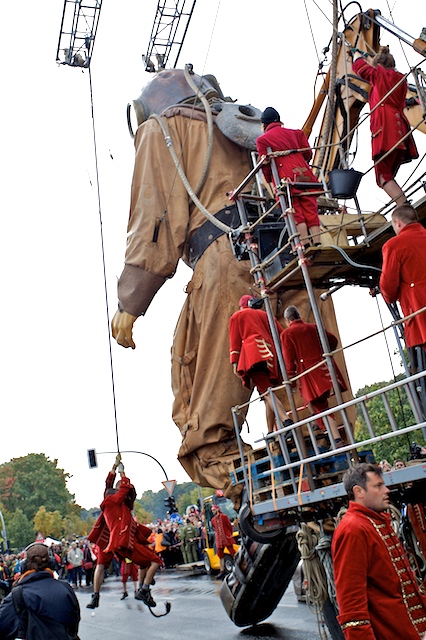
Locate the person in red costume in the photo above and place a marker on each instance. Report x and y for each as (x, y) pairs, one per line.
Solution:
(302, 350)
(253, 355)
(117, 533)
(403, 275)
(294, 167)
(376, 589)
(223, 537)
(388, 123)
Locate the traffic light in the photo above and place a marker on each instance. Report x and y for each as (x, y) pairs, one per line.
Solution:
(170, 503)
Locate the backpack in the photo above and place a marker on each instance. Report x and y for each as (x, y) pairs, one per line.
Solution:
(32, 627)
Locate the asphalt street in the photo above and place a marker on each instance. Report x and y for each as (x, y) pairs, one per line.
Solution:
(196, 611)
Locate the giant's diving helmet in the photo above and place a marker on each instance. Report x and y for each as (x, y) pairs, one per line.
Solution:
(239, 123)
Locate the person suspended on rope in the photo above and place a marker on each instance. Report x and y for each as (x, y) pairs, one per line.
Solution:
(294, 167)
(253, 356)
(117, 533)
(377, 592)
(388, 124)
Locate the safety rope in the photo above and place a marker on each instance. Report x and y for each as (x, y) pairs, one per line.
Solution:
(169, 143)
(103, 260)
(315, 576)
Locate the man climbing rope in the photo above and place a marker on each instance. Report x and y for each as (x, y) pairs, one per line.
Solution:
(116, 532)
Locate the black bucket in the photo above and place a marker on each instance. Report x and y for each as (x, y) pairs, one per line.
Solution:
(344, 183)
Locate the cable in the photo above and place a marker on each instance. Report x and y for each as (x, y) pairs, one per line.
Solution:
(103, 258)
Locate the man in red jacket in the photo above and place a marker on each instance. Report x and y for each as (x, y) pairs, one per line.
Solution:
(377, 592)
(126, 537)
(294, 167)
(223, 537)
(388, 123)
(253, 355)
(404, 272)
(302, 350)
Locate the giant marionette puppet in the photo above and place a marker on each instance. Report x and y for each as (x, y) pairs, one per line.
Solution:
(189, 133)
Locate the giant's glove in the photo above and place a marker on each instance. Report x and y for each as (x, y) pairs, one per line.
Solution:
(122, 326)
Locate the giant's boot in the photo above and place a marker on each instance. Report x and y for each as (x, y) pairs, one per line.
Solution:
(261, 574)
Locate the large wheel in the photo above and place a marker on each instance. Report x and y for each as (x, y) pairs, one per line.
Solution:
(207, 565)
(247, 526)
(229, 563)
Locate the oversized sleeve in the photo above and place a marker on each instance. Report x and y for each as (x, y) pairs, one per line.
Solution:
(289, 353)
(234, 339)
(391, 273)
(262, 145)
(158, 220)
(350, 562)
(364, 70)
(304, 144)
(125, 488)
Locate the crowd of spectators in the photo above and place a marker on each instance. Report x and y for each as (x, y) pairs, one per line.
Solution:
(177, 540)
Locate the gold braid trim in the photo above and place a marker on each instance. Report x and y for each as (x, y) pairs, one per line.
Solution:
(403, 583)
(355, 623)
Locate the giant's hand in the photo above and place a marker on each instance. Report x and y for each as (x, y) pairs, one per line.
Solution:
(122, 326)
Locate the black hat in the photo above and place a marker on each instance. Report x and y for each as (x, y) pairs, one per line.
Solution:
(270, 115)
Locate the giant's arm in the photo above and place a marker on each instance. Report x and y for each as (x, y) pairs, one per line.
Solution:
(156, 229)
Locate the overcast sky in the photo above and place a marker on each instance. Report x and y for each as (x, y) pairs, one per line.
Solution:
(56, 378)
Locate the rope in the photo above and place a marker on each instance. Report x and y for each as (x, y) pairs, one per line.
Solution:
(315, 576)
(169, 142)
(103, 260)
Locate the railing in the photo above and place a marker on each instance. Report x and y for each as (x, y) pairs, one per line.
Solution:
(283, 479)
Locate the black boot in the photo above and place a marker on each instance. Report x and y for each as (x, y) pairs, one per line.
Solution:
(124, 596)
(146, 597)
(94, 601)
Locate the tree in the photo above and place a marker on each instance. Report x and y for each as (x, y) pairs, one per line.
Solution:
(20, 530)
(34, 480)
(391, 448)
(142, 515)
(49, 523)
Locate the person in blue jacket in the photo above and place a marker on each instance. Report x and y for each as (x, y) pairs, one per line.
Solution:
(51, 603)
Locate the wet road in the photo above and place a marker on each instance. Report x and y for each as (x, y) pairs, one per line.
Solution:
(196, 612)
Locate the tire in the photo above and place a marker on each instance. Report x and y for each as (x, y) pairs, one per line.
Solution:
(229, 563)
(207, 564)
(264, 537)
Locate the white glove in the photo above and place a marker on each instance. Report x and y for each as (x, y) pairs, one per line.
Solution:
(120, 468)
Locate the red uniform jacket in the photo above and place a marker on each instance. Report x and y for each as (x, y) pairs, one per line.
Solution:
(302, 350)
(100, 533)
(404, 278)
(251, 343)
(118, 517)
(388, 122)
(295, 166)
(376, 590)
(223, 530)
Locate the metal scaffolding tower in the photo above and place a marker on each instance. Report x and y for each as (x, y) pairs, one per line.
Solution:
(78, 32)
(168, 33)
